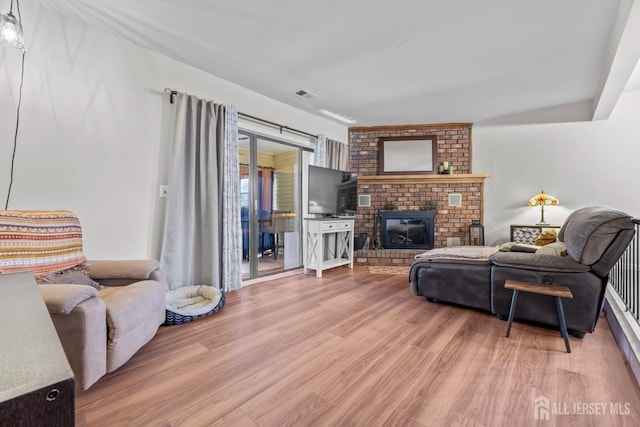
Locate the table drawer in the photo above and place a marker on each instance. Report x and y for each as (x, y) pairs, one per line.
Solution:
(331, 226)
(345, 225)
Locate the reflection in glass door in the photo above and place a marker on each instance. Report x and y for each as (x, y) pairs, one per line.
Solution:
(270, 205)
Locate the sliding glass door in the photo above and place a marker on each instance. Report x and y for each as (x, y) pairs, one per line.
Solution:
(270, 203)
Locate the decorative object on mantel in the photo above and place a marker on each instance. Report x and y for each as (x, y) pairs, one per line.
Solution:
(542, 199)
(445, 168)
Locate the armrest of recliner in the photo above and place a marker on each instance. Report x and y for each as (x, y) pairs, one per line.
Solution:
(123, 269)
(538, 262)
(122, 272)
(62, 299)
(79, 317)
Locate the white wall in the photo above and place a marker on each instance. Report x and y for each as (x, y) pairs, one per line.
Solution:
(94, 120)
(580, 163)
(93, 128)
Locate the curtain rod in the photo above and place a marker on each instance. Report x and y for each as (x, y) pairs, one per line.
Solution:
(172, 93)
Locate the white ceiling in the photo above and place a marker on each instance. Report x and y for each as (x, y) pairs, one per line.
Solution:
(383, 62)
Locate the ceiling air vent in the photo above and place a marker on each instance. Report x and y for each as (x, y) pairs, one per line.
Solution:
(303, 93)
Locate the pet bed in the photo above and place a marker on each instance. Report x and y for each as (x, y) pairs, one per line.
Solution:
(190, 302)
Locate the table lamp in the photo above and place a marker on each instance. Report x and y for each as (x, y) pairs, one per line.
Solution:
(543, 199)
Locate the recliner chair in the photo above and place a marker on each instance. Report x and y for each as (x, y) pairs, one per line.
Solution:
(595, 238)
(100, 329)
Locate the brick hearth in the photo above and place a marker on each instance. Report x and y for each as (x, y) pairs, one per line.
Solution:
(386, 257)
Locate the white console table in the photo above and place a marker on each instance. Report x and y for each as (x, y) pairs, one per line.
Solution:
(329, 243)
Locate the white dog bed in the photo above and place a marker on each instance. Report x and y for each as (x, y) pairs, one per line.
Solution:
(190, 302)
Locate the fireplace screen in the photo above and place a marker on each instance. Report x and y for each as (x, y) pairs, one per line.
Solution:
(407, 229)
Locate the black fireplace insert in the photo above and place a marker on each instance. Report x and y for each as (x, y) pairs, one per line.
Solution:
(407, 229)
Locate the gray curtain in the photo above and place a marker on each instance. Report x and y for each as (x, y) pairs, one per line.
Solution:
(230, 205)
(337, 155)
(330, 154)
(196, 246)
(320, 151)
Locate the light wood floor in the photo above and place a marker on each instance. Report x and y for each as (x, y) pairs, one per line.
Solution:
(354, 348)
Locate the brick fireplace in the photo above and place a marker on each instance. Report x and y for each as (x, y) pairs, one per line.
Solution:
(406, 192)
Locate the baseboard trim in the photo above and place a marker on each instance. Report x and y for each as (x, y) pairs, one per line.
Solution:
(625, 330)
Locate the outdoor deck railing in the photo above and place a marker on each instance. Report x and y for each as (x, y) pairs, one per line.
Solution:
(625, 276)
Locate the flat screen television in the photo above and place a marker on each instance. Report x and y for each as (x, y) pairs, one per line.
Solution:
(332, 192)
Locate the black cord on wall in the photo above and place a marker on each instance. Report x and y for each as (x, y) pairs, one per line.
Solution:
(15, 136)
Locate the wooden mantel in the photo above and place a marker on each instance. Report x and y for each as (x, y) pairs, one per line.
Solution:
(476, 178)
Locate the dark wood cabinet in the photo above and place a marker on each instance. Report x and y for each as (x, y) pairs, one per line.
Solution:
(37, 386)
(51, 406)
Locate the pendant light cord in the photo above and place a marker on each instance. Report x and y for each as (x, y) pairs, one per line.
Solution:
(15, 136)
(17, 8)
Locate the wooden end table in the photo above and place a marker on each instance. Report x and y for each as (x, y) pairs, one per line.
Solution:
(556, 291)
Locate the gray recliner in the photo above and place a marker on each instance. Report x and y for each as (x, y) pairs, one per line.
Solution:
(595, 238)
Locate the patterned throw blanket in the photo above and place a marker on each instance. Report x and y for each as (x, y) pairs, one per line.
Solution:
(45, 242)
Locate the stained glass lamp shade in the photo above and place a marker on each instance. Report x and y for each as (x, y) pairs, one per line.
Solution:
(543, 199)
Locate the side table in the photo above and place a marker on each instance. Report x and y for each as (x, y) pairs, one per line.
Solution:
(329, 243)
(528, 233)
(556, 291)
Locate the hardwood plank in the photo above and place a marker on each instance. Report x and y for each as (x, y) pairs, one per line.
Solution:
(353, 348)
(301, 409)
(235, 418)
